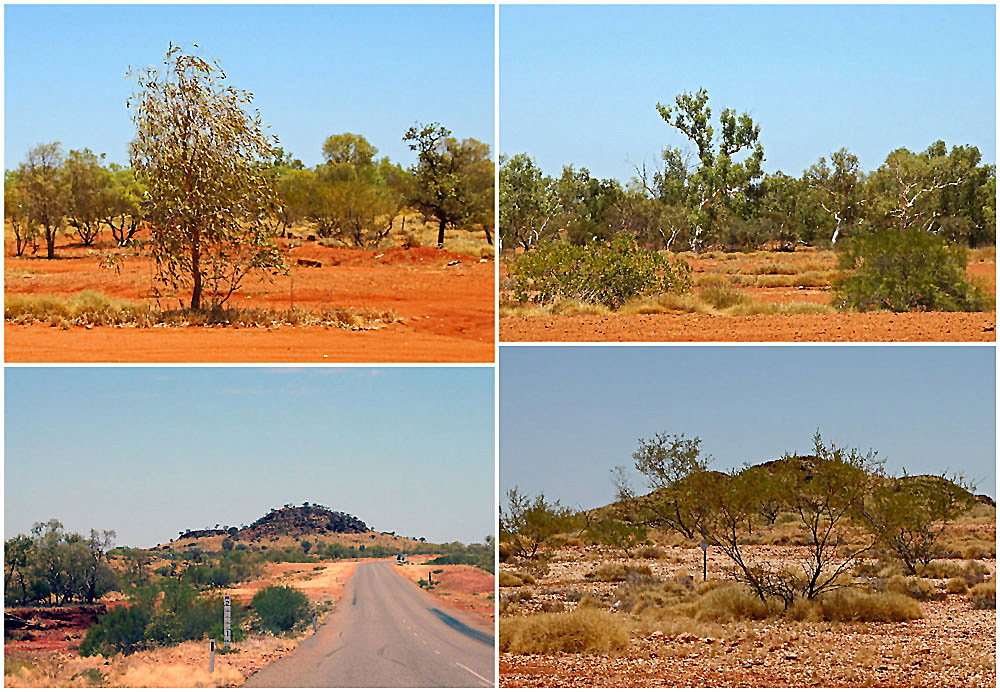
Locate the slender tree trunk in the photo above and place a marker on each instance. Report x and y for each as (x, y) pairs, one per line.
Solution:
(196, 271)
(50, 244)
(489, 238)
(441, 225)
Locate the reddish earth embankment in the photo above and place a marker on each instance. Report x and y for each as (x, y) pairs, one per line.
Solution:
(461, 586)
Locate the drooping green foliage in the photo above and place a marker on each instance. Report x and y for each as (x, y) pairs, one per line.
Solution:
(527, 523)
(204, 158)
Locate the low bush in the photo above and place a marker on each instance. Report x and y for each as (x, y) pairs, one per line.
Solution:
(984, 596)
(120, 630)
(906, 270)
(607, 274)
(280, 608)
(618, 571)
(584, 630)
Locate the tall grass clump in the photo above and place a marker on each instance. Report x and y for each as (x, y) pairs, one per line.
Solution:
(600, 273)
(584, 630)
(984, 596)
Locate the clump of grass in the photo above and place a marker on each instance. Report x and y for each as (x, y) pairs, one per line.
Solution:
(665, 304)
(971, 571)
(914, 587)
(515, 578)
(584, 630)
(969, 548)
(854, 605)
(618, 571)
(984, 596)
(806, 279)
(93, 309)
(639, 596)
(956, 585)
(729, 603)
(650, 552)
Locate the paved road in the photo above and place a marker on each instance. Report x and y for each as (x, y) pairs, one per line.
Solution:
(386, 632)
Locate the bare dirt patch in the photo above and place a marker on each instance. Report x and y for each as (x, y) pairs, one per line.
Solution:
(463, 587)
(444, 300)
(744, 271)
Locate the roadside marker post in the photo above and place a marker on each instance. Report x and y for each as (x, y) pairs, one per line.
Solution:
(314, 622)
(211, 655)
(226, 621)
(704, 560)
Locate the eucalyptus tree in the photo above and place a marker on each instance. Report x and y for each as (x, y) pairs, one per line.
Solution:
(729, 162)
(529, 205)
(45, 192)
(839, 188)
(90, 193)
(446, 184)
(205, 157)
(16, 212)
(124, 212)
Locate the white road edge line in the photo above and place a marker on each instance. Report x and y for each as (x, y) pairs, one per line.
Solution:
(474, 673)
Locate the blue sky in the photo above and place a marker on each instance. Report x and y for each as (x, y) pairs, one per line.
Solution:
(149, 452)
(568, 415)
(314, 70)
(580, 84)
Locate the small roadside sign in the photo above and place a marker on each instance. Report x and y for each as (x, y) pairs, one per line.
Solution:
(226, 620)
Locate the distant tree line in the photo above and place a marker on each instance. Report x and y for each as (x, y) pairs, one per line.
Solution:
(718, 196)
(50, 566)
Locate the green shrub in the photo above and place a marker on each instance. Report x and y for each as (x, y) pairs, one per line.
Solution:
(280, 608)
(121, 630)
(603, 273)
(584, 630)
(906, 270)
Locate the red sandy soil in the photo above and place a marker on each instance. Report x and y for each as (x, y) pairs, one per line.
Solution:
(447, 311)
(56, 628)
(915, 326)
(461, 586)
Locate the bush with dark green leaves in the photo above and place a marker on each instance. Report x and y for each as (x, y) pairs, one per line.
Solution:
(902, 271)
(280, 608)
(604, 273)
(119, 630)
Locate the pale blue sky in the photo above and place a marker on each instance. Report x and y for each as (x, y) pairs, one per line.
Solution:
(314, 70)
(579, 84)
(149, 452)
(568, 415)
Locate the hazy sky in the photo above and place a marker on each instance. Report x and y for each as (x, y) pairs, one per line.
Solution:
(149, 452)
(568, 415)
(580, 84)
(314, 70)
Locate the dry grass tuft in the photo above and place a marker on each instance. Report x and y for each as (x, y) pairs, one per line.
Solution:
(515, 578)
(956, 585)
(93, 309)
(619, 571)
(914, 587)
(853, 605)
(984, 596)
(584, 630)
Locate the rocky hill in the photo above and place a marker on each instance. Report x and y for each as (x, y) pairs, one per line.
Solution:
(294, 524)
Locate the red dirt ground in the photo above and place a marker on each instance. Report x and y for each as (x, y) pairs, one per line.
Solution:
(447, 311)
(915, 326)
(460, 586)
